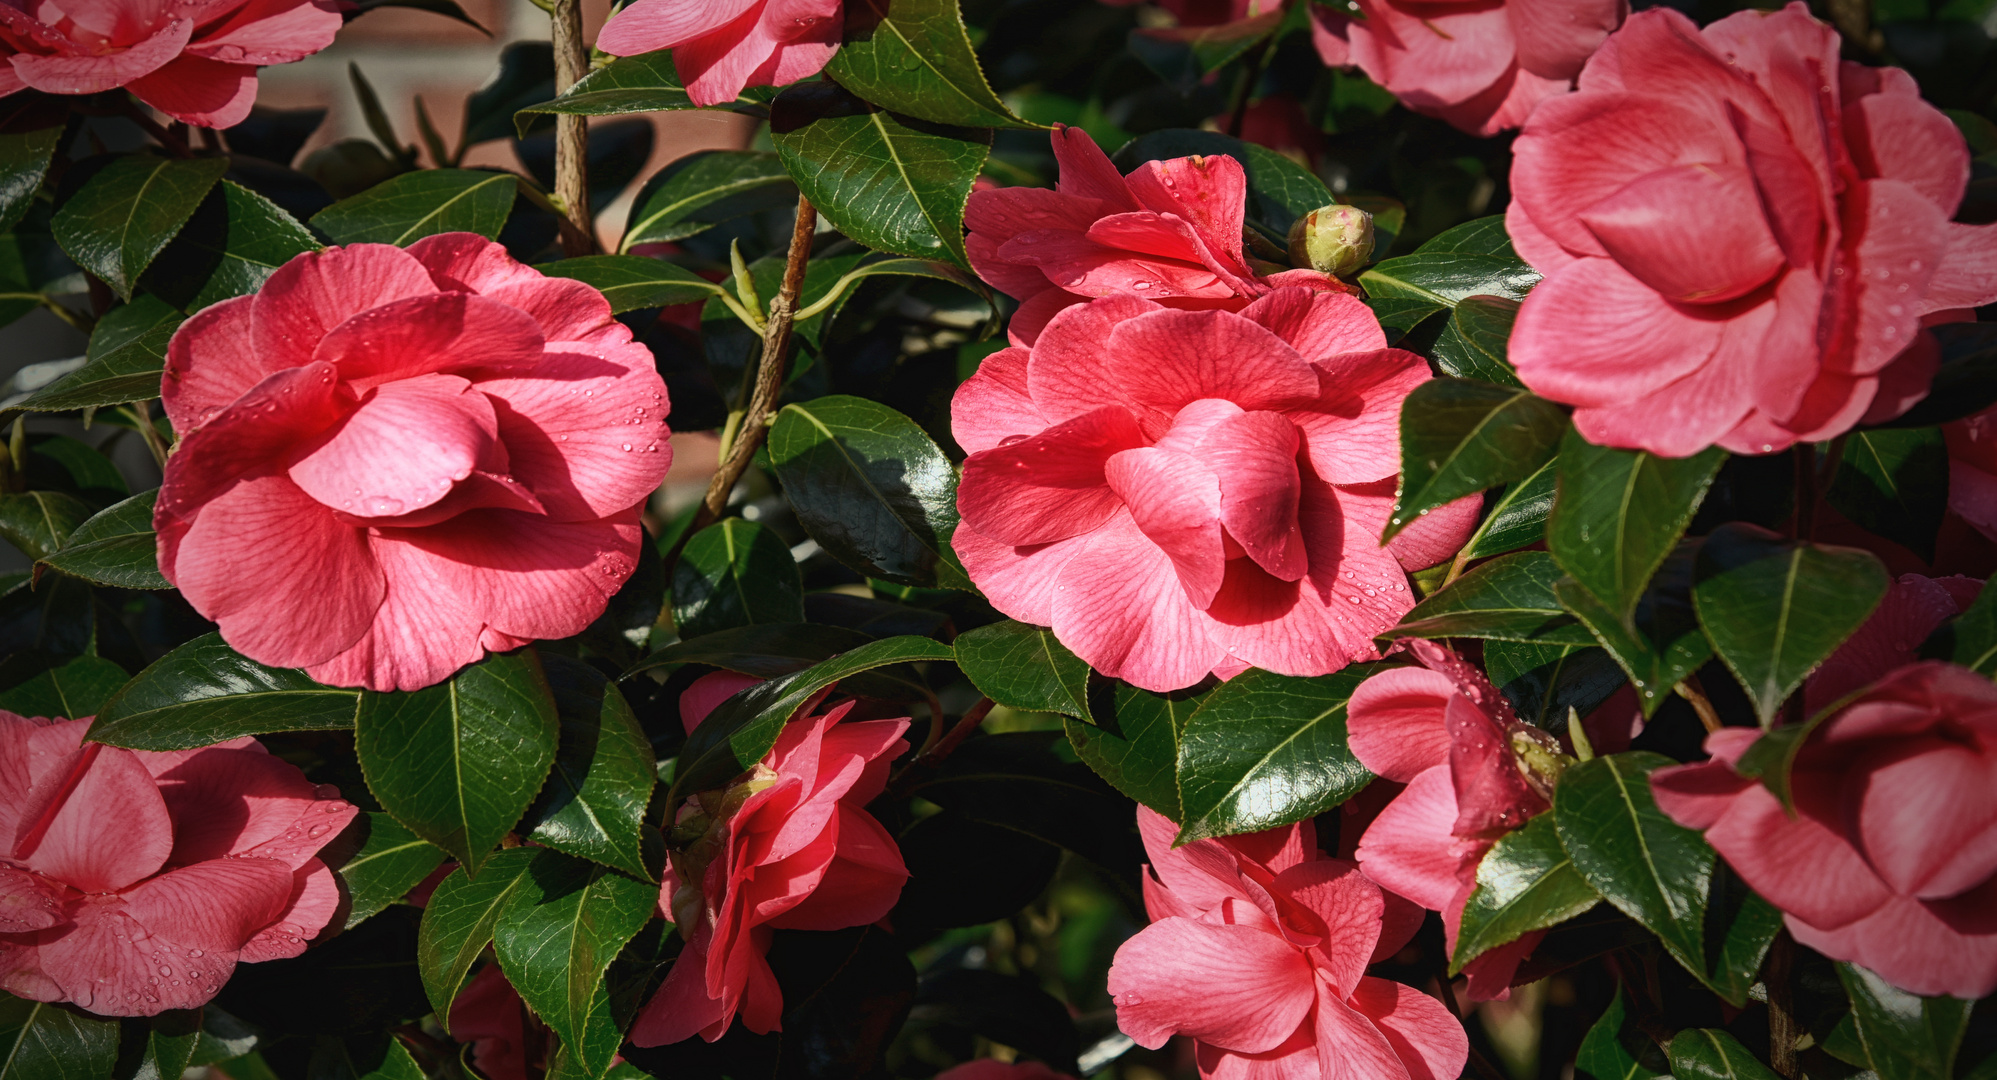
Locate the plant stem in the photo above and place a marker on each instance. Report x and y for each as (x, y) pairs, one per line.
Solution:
(172, 143)
(1692, 691)
(770, 373)
(571, 132)
(1782, 1033)
(143, 412)
(933, 753)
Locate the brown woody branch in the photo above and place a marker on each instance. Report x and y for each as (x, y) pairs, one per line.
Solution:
(572, 133)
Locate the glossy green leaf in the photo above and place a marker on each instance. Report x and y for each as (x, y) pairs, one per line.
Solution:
(459, 920)
(158, 1047)
(1508, 599)
(763, 651)
(1526, 882)
(893, 183)
(1024, 667)
(1472, 259)
(1969, 639)
(1894, 483)
(1906, 1037)
(593, 806)
(127, 212)
(1544, 681)
(742, 729)
(1662, 643)
(1474, 344)
(1713, 1054)
(223, 1037)
(205, 692)
(41, 1041)
(1620, 512)
(116, 546)
(735, 573)
(915, 57)
(1518, 518)
(1265, 750)
(1018, 782)
(1774, 609)
(1651, 868)
(631, 282)
(702, 190)
(871, 487)
(1459, 437)
(414, 205)
(76, 689)
(1614, 1049)
(234, 242)
(24, 160)
(631, 84)
(556, 937)
(127, 353)
(1740, 926)
(1136, 748)
(82, 463)
(457, 763)
(39, 522)
(390, 862)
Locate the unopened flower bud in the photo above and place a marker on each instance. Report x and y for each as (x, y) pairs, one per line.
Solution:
(1335, 239)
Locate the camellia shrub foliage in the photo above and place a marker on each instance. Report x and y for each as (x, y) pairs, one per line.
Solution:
(1250, 539)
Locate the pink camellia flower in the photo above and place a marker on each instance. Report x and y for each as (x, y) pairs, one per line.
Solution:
(133, 882)
(1257, 950)
(195, 60)
(489, 1014)
(1740, 236)
(1184, 492)
(391, 461)
(1972, 470)
(1891, 636)
(1452, 738)
(788, 847)
(721, 46)
(1482, 65)
(1170, 232)
(1890, 859)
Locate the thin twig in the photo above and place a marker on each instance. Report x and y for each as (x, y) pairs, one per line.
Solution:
(1782, 1033)
(572, 133)
(932, 755)
(1239, 114)
(173, 144)
(144, 414)
(1691, 690)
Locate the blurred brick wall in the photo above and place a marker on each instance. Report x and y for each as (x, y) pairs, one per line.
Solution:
(404, 53)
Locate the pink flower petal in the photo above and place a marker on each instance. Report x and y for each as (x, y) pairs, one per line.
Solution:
(1427, 1039)
(1594, 335)
(1926, 810)
(1967, 276)
(1088, 266)
(565, 310)
(1911, 948)
(403, 448)
(1019, 581)
(586, 429)
(317, 291)
(651, 25)
(1119, 605)
(28, 902)
(993, 405)
(1411, 847)
(1643, 228)
(1166, 359)
(1352, 431)
(1175, 500)
(862, 883)
(681, 1007)
(92, 72)
(1209, 192)
(1050, 486)
(1350, 1046)
(422, 335)
(315, 899)
(708, 692)
(1319, 325)
(1434, 538)
(1233, 986)
(1349, 907)
(1394, 722)
(1897, 136)
(1897, 237)
(98, 824)
(1433, 59)
(1799, 864)
(226, 802)
(253, 436)
(1068, 374)
(210, 362)
(270, 32)
(1555, 37)
(1086, 172)
(1254, 455)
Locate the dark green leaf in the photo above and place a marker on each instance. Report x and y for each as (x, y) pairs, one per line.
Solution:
(1774, 609)
(1472, 259)
(1473, 345)
(1024, 667)
(115, 547)
(236, 240)
(1011, 1010)
(24, 160)
(1966, 383)
(1525, 882)
(1016, 781)
(631, 282)
(1620, 512)
(594, 804)
(1279, 190)
(1740, 926)
(892, 183)
(390, 862)
(735, 573)
(1970, 639)
(459, 920)
(558, 933)
(631, 84)
(1137, 748)
(51, 1042)
(1653, 869)
(39, 522)
(127, 353)
(1544, 681)
(1509, 599)
(1518, 518)
(82, 464)
(1663, 643)
(742, 729)
(1906, 1037)
(419, 204)
(871, 487)
(457, 763)
(1614, 1049)
(1459, 437)
(223, 1038)
(963, 872)
(128, 211)
(702, 190)
(205, 692)
(1712, 1054)
(526, 77)
(1895, 483)
(1265, 750)
(72, 691)
(915, 57)
(762, 651)
(158, 1047)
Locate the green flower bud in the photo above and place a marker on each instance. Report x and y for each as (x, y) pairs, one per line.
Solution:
(1335, 239)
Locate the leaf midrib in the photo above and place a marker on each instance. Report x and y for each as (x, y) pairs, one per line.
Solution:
(868, 481)
(1468, 437)
(696, 201)
(894, 156)
(1307, 725)
(410, 232)
(1642, 842)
